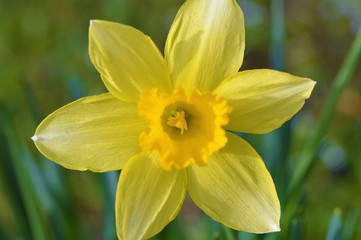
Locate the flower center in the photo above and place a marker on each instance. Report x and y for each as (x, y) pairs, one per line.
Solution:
(178, 120)
(184, 129)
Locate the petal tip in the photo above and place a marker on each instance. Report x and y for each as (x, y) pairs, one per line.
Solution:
(276, 228)
(34, 138)
(93, 22)
(312, 82)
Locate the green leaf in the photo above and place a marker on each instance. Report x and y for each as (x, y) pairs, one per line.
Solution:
(351, 223)
(344, 76)
(335, 226)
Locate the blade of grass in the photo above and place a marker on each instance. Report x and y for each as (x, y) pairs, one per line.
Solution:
(296, 232)
(351, 224)
(32, 207)
(277, 143)
(12, 188)
(277, 35)
(335, 227)
(344, 76)
(109, 186)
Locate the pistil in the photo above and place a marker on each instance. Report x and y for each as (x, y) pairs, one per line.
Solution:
(178, 120)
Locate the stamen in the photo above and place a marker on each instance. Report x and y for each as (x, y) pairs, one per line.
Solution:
(178, 121)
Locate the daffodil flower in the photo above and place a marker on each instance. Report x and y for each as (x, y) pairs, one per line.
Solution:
(167, 122)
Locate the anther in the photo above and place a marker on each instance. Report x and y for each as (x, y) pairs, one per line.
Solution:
(178, 120)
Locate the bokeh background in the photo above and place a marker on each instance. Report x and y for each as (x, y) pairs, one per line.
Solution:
(315, 159)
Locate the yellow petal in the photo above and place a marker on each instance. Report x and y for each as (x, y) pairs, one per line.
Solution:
(205, 43)
(148, 197)
(236, 189)
(127, 60)
(99, 133)
(263, 99)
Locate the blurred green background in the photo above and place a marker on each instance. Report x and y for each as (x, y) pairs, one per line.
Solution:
(315, 159)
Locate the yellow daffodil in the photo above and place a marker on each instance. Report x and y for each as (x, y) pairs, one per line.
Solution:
(165, 121)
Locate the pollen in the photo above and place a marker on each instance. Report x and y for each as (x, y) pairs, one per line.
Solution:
(178, 120)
